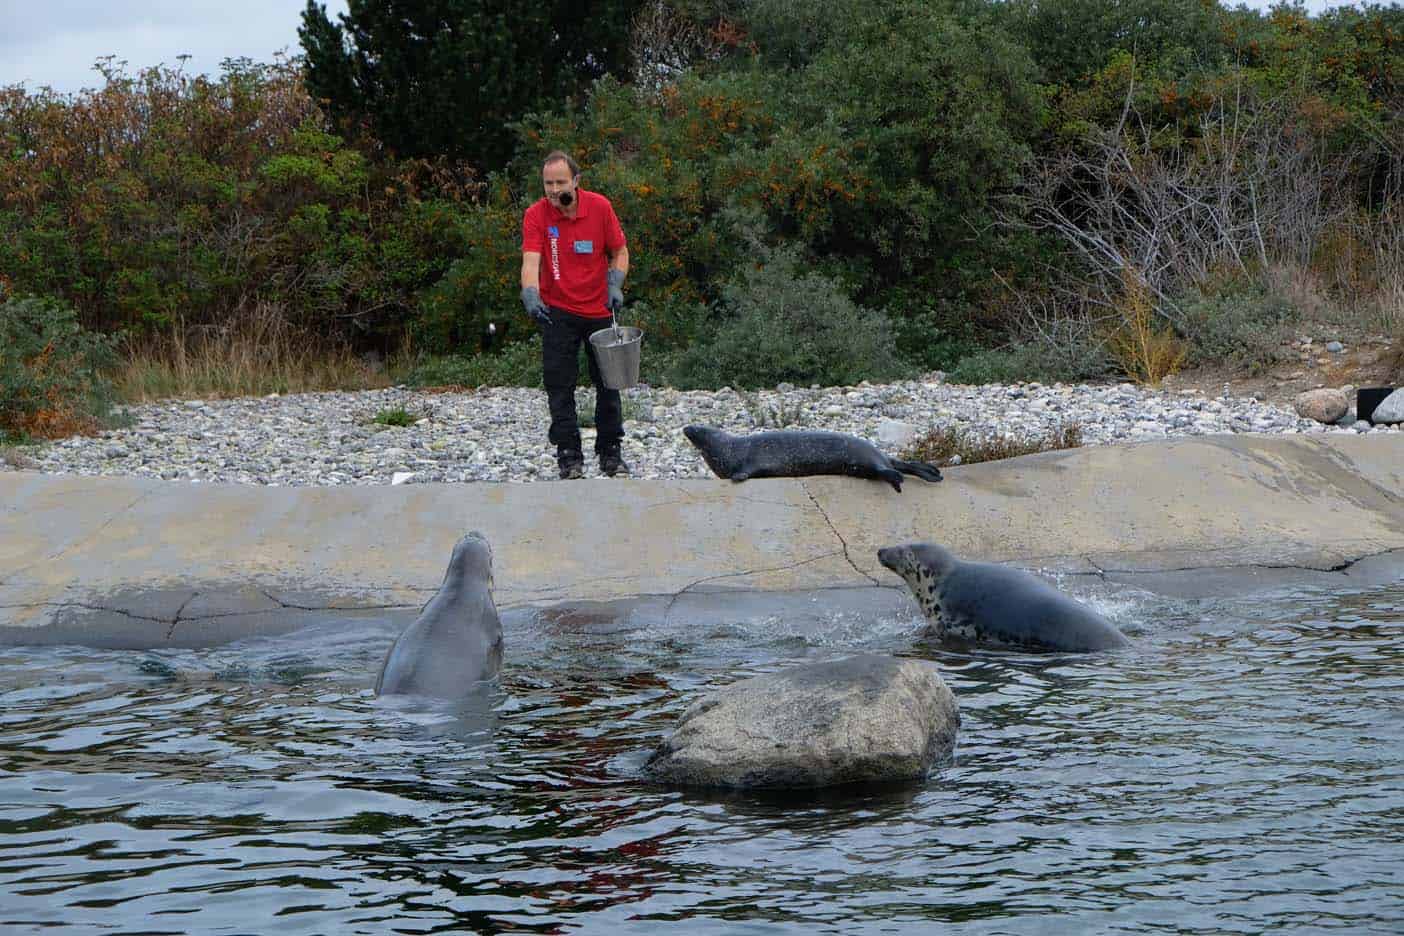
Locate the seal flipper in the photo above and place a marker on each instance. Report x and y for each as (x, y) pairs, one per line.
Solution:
(893, 478)
(923, 470)
(740, 475)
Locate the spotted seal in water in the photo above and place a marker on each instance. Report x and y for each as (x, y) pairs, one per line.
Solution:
(796, 454)
(989, 603)
(456, 641)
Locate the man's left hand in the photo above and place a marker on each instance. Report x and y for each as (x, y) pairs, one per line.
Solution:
(615, 302)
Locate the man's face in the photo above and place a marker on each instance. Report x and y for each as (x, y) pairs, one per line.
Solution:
(556, 177)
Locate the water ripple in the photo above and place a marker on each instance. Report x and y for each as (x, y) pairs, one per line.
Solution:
(1238, 770)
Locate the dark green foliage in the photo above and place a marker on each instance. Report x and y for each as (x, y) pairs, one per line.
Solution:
(480, 286)
(779, 324)
(1242, 322)
(519, 365)
(879, 150)
(1072, 39)
(53, 378)
(932, 114)
(1028, 363)
(447, 77)
(929, 340)
(896, 145)
(397, 416)
(162, 200)
(789, 35)
(667, 167)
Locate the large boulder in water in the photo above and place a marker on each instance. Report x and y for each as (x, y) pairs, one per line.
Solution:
(865, 719)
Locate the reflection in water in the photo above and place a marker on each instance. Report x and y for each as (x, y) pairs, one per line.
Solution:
(1237, 770)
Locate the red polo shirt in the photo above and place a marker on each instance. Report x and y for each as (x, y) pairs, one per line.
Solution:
(574, 261)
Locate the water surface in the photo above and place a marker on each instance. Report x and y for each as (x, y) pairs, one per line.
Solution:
(1239, 770)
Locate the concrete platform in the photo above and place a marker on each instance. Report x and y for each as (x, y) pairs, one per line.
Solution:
(133, 562)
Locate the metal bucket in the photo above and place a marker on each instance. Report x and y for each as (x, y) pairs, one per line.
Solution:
(617, 354)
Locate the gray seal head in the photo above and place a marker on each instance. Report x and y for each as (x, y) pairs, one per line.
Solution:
(986, 602)
(456, 642)
(924, 567)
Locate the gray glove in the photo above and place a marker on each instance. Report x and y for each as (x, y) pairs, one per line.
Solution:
(616, 291)
(531, 301)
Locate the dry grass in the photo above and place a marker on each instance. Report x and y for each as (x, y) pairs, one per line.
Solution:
(1360, 261)
(1355, 285)
(1147, 350)
(951, 446)
(258, 356)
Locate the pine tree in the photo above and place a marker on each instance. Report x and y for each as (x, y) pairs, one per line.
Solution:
(446, 77)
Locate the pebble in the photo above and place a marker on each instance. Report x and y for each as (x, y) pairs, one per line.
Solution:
(499, 434)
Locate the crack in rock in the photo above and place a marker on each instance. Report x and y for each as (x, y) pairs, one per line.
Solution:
(61, 605)
(1342, 566)
(286, 605)
(176, 620)
(105, 524)
(823, 513)
(726, 575)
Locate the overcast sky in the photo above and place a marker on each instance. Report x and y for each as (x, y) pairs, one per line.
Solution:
(55, 42)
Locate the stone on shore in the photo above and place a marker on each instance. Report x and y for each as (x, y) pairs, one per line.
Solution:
(498, 434)
(1391, 409)
(894, 435)
(1325, 405)
(865, 719)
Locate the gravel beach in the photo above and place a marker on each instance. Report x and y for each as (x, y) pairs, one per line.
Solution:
(499, 434)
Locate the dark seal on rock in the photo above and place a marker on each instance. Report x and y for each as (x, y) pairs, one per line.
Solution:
(987, 603)
(456, 642)
(797, 454)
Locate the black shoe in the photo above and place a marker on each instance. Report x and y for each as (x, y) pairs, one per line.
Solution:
(571, 462)
(612, 464)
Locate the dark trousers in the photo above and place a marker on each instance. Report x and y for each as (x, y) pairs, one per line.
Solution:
(560, 366)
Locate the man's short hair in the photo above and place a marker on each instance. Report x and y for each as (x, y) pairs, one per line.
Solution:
(560, 156)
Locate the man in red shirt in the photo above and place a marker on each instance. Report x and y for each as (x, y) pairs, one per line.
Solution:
(570, 296)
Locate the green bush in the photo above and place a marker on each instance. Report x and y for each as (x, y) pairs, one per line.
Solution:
(53, 379)
(1243, 323)
(777, 325)
(165, 201)
(1024, 363)
(482, 285)
(518, 365)
(929, 341)
(396, 416)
